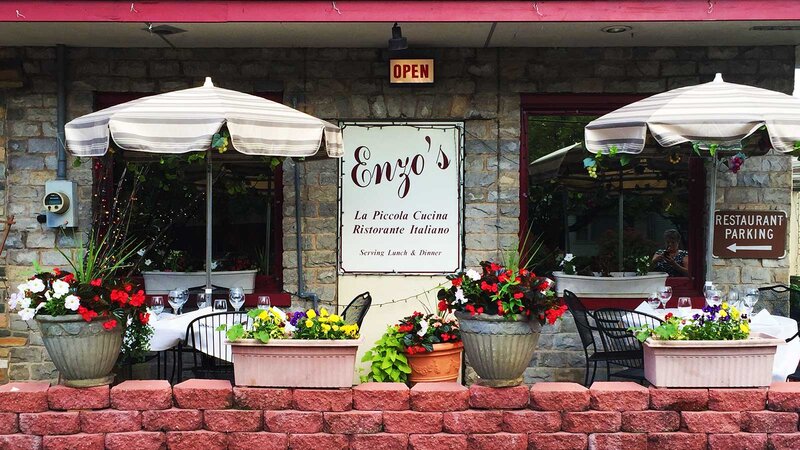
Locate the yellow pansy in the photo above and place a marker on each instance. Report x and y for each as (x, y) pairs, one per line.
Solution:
(309, 323)
(263, 315)
(311, 314)
(335, 327)
(323, 312)
(724, 305)
(723, 314)
(326, 327)
(744, 327)
(735, 314)
(335, 318)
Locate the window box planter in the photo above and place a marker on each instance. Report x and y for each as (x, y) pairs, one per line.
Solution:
(617, 286)
(717, 364)
(297, 363)
(160, 283)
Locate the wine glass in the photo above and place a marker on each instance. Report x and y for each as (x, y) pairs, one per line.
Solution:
(664, 294)
(714, 297)
(220, 305)
(684, 306)
(750, 300)
(653, 300)
(236, 296)
(176, 301)
(733, 298)
(157, 305)
(264, 302)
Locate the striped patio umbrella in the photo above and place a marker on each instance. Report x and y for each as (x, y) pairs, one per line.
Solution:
(186, 121)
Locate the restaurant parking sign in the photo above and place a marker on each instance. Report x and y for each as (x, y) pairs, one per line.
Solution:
(750, 234)
(401, 204)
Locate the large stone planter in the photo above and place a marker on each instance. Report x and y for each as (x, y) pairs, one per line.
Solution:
(83, 352)
(620, 285)
(717, 364)
(160, 283)
(442, 364)
(294, 362)
(497, 348)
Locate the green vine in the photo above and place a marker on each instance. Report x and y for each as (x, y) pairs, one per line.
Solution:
(387, 359)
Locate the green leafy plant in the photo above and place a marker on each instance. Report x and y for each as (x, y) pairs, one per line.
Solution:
(642, 265)
(267, 324)
(387, 359)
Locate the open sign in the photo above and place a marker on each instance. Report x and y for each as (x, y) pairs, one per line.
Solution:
(410, 71)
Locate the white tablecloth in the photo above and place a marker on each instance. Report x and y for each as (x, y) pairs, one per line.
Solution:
(169, 330)
(787, 355)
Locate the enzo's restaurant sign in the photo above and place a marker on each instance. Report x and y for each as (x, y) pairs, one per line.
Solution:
(750, 234)
(401, 198)
(410, 71)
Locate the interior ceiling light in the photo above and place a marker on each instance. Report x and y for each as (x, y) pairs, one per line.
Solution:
(397, 42)
(614, 29)
(775, 28)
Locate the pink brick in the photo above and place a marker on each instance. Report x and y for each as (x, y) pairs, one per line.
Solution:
(293, 421)
(769, 422)
(196, 440)
(262, 398)
(498, 441)
(474, 421)
(142, 395)
(783, 396)
(591, 422)
(49, 423)
(557, 441)
(74, 442)
(63, 397)
(531, 421)
(8, 423)
(682, 441)
(616, 441)
(20, 442)
(412, 422)
(137, 440)
(323, 399)
(319, 441)
(650, 421)
(439, 441)
(353, 422)
(737, 441)
(260, 441)
(439, 397)
(711, 421)
(483, 397)
(228, 420)
(679, 399)
(172, 419)
(382, 441)
(777, 441)
(203, 394)
(24, 397)
(737, 399)
(618, 396)
(381, 396)
(110, 421)
(558, 396)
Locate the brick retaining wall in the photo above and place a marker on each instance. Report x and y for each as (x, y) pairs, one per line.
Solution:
(210, 414)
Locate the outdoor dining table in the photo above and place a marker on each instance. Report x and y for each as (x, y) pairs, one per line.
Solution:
(170, 330)
(787, 355)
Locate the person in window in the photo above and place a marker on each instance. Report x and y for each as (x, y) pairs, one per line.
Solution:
(671, 259)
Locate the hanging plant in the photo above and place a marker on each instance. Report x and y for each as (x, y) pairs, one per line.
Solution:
(735, 162)
(221, 140)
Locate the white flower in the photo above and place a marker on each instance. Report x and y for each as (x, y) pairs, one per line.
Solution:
(147, 262)
(140, 252)
(72, 302)
(460, 296)
(473, 274)
(423, 328)
(289, 328)
(214, 265)
(25, 302)
(27, 314)
(47, 296)
(40, 306)
(60, 288)
(35, 285)
(22, 288)
(14, 299)
(569, 257)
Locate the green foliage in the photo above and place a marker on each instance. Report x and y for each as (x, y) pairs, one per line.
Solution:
(387, 359)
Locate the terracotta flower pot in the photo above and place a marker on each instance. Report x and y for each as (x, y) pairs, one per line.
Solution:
(83, 352)
(442, 364)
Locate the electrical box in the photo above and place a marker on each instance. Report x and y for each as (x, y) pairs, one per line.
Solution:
(61, 203)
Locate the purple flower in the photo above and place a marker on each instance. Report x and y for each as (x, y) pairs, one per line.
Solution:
(296, 316)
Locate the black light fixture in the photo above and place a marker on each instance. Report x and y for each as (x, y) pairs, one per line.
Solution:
(615, 29)
(397, 42)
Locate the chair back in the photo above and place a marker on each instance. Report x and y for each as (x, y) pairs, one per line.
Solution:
(357, 309)
(581, 316)
(613, 325)
(202, 334)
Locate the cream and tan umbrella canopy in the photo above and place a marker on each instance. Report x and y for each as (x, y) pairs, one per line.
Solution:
(186, 121)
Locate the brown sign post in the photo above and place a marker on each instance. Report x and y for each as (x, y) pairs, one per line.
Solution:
(750, 234)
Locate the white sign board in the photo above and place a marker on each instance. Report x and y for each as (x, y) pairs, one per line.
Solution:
(400, 209)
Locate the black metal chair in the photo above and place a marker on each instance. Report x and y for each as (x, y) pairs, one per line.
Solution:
(781, 289)
(614, 325)
(207, 346)
(595, 353)
(357, 309)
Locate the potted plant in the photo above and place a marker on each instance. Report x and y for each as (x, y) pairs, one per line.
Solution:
(305, 349)
(712, 349)
(163, 273)
(500, 311)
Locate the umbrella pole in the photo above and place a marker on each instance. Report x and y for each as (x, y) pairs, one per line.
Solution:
(209, 202)
(712, 203)
(620, 218)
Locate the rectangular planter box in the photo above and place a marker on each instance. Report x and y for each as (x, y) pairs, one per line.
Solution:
(294, 363)
(742, 363)
(610, 287)
(160, 283)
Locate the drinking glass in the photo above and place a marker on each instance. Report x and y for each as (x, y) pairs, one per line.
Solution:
(176, 301)
(653, 300)
(750, 300)
(733, 298)
(236, 296)
(714, 297)
(664, 294)
(220, 305)
(684, 306)
(157, 305)
(263, 302)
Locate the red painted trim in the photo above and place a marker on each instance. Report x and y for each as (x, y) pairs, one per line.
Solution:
(624, 11)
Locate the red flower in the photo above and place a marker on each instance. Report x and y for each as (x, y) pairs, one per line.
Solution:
(488, 287)
(69, 278)
(144, 318)
(503, 277)
(523, 272)
(457, 281)
(668, 316)
(479, 310)
(109, 324)
(128, 288)
(494, 267)
(518, 295)
(97, 282)
(87, 314)
(137, 299)
(56, 271)
(470, 309)
(445, 337)
(442, 305)
(554, 314)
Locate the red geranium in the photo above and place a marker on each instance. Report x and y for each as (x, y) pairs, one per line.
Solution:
(456, 281)
(97, 282)
(87, 314)
(144, 318)
(110, 324)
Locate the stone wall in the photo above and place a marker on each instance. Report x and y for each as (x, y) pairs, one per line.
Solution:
(479, 86)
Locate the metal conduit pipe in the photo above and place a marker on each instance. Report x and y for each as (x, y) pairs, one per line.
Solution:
(301, 284)
(61, 110)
